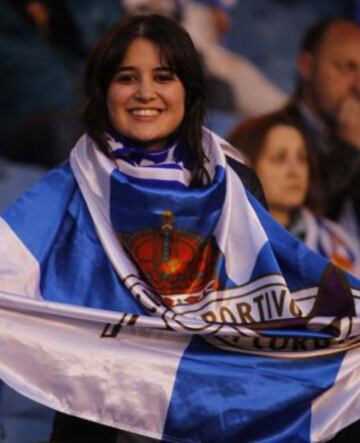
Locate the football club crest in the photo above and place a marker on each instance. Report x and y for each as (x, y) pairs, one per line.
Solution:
(173, 260)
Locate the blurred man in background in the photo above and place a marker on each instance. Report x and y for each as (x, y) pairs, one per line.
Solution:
(327, 101)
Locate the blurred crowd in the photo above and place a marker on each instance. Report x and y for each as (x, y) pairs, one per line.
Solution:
(45, 42)
(305, 147)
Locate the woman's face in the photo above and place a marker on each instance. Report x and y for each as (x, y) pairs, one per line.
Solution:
(283, 168)
(145, 99)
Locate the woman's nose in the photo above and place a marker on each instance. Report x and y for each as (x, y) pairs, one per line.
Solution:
(145, 90)
(294, 167)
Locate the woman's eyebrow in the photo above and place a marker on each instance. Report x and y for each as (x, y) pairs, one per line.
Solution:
(133, 68)
(163, 68)
(126, 68)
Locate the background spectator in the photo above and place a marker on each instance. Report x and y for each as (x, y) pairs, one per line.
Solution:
(281, 155)
(327, 102)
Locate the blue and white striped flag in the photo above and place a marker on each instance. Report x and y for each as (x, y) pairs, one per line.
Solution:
(184, 314)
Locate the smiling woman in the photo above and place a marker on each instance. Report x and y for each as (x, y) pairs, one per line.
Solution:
(145, 82)
(143, 117)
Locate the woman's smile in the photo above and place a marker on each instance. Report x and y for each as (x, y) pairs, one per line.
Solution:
(145, 114)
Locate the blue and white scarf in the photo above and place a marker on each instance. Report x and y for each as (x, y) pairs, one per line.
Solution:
(185, 314)
(329, 239)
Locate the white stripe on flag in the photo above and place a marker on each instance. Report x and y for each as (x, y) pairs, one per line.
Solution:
(125, 382)
(19, 270)
(338, 407)
(246, 233)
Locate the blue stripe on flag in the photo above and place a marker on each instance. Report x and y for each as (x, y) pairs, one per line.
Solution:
(85, 279)
(227, 397)
(156, 200)
(54, 191)
(174, 166)
(265, 263)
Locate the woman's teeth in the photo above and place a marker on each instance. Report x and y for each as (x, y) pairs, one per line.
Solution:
(145, 112)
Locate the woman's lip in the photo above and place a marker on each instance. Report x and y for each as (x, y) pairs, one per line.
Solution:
(294, 187)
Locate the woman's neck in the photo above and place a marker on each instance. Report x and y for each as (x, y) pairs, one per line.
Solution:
(281, 215)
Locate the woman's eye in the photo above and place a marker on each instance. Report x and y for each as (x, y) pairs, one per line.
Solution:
(164, 77)
(125, 78)
(277, 158)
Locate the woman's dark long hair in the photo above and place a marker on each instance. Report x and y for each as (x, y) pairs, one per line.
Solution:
(249, 137)
(177, 49)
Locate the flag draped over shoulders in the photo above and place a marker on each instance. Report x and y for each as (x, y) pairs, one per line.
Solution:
(185, 314)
